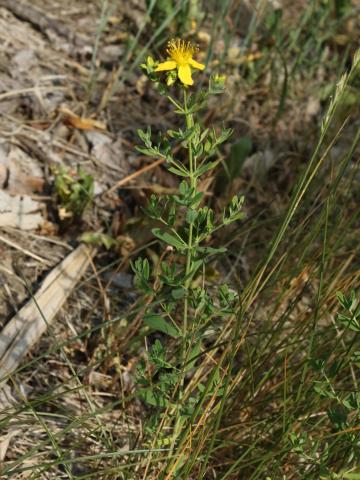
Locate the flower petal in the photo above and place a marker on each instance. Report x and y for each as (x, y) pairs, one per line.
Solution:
(196, 64)
(169, 65)
(184, 73)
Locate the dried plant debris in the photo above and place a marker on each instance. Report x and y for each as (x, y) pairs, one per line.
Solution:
(81, 123)
(20, 173)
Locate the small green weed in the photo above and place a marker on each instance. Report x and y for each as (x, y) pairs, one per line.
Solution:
(74, 192)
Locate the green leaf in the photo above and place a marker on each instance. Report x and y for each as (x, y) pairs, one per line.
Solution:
(145, 136)
(191, 216)
(146, 151)
(205, 168)
(178, 172)
(178, 293)
(150, 398)
(195, 265)
(169, 239)
(239, 152)
(232, 167)
(98, 238)
(177, 165)
(225, 134)
(342, 299)
(196, 199)
(158, 323)
(193, 356)
(184, 188)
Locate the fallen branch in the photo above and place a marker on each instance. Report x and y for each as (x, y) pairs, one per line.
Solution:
(26, 327)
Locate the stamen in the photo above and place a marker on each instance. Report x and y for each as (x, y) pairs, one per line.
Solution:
(177, 47)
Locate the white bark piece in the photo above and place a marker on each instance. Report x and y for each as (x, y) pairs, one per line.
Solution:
(26, 327)
(19, 211)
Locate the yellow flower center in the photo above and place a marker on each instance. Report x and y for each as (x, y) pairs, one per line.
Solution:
(181, 51)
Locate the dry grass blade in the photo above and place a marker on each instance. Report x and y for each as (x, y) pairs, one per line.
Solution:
(24, 250)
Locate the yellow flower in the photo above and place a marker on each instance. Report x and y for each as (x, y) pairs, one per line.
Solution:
(181, 53)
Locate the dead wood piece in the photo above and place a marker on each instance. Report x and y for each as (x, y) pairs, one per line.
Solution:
(26, 327)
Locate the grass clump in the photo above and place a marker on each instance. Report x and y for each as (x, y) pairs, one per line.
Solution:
(224, 370)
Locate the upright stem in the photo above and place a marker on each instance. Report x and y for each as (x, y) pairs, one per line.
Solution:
(189, 124)
(189, 256)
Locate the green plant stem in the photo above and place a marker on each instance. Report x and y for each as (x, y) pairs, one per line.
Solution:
(189, 255)
(175, 103)
(189, 124)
